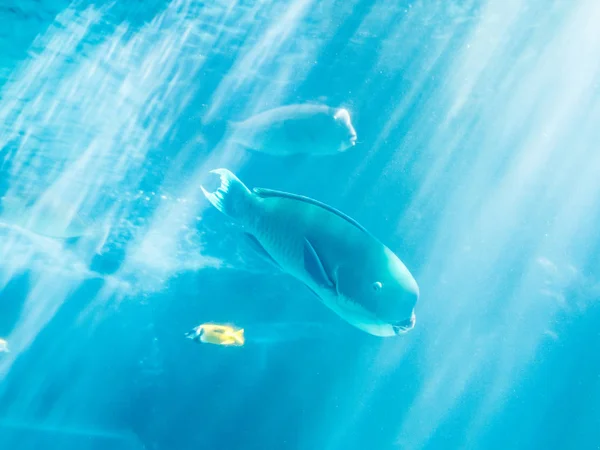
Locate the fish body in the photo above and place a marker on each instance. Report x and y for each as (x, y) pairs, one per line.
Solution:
(346, 267)
(296, 129)
(50, 218)
(4, 346)
(210, 333)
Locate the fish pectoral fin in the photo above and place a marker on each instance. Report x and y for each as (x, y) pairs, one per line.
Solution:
(314, 266)
(314, 292)
(257, 246)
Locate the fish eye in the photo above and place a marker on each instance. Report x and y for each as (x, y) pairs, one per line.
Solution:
(377, 286)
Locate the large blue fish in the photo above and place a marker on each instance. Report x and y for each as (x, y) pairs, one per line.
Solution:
(353, 274)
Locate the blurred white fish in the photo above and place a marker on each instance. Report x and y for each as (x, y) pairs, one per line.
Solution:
(567, 285)
(50, 218)
(34, 431)
(4, 346)
(296, 129)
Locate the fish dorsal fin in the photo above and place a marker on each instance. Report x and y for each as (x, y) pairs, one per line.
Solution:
(266, 193)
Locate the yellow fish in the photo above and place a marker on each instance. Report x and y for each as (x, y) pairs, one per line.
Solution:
(211, 333)
(4, 346)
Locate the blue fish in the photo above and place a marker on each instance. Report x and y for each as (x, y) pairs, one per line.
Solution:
(344, 265)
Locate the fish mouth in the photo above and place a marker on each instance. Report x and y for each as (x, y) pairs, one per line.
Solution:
(404, 326)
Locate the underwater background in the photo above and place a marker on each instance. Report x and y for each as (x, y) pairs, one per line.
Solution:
(477, 163)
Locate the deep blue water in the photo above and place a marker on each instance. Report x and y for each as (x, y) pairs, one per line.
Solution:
(477, 164)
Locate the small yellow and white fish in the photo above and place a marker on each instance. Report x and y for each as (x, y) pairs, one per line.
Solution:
(4, 346)
(212, 333)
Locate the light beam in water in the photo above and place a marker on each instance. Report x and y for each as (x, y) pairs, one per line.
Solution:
(524, 102)
(84, 119)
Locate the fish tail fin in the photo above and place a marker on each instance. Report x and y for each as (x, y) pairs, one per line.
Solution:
(190, 334)
(232, 197)
(214, 131)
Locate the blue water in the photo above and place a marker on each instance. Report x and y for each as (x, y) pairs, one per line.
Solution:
(477, 164)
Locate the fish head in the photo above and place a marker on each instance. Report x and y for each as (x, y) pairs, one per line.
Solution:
(383, 289)
(344, 131)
